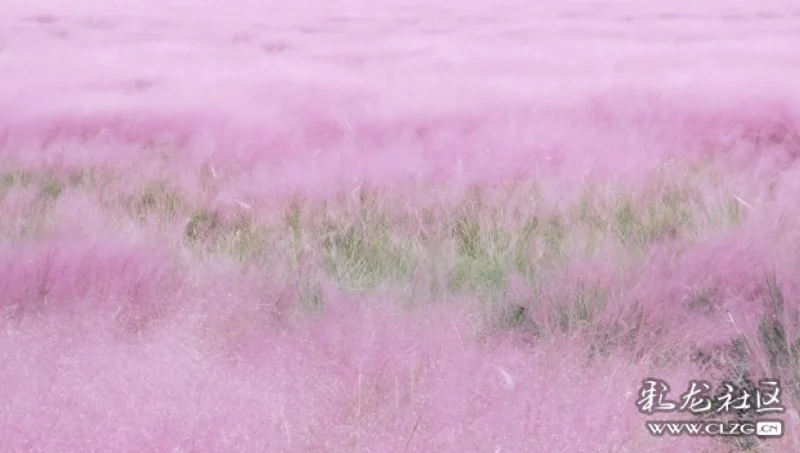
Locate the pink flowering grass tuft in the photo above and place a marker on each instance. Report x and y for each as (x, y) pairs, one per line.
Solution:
(393, 226)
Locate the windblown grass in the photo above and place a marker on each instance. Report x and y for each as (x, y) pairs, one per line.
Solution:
(391, 227)
(610, 269)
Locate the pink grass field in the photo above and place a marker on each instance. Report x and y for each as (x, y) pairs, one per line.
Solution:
(269, 226)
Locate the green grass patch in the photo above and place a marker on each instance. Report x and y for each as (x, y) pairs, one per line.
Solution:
(157, 199)
(243, 237)
(365, 254)
(51, 187)
(579, 308)
(202, 226)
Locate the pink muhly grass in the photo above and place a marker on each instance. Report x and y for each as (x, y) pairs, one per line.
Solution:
(390, 227)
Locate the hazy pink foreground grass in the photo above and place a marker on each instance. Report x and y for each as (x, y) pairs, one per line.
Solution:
(386, 226)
